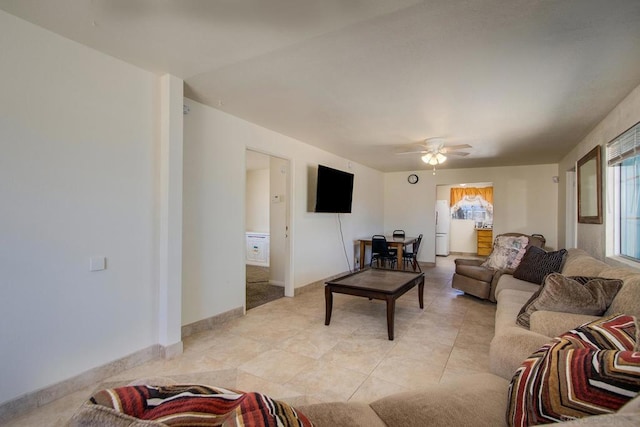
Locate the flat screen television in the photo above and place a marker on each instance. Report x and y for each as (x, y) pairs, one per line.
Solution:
(334, 190)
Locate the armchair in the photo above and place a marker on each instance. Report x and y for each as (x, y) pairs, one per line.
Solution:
(473, 278)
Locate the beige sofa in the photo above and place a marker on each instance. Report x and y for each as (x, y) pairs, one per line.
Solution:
(480, 399)
(511, 343)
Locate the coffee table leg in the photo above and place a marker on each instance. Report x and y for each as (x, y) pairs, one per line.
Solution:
(328, 299)
(391, 310)
(421, 292)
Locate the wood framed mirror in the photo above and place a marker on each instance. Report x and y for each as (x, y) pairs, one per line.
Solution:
(590, 187)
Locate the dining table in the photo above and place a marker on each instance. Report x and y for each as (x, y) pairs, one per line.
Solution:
(395, 242)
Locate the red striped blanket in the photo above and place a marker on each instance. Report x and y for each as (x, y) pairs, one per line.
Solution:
(199, 405)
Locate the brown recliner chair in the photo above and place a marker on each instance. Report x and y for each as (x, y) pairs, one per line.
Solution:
(474, 279)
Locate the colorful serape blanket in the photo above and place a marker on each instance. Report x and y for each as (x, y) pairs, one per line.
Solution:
(199, 405)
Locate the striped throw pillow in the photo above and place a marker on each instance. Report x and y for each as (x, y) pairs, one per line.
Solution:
(591, 370)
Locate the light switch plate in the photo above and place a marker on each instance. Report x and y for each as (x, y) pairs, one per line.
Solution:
(97, 263)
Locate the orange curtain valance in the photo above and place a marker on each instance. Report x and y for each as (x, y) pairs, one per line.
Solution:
(458, 194)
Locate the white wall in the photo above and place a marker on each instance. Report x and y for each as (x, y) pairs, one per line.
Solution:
(463, 236)
(592, 237)
(214, 180)
(525, 200)
(279, 172)
(77, 135)
(257, 201)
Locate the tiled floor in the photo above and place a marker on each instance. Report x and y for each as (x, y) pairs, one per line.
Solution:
(284, 349)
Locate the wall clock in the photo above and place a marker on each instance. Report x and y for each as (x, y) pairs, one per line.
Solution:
(413, 178)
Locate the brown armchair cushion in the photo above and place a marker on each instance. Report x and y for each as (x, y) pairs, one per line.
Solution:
(476, 272)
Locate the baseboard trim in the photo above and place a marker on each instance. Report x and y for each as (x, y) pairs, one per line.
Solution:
(317, 284)
(35, 399)
(276, 283)
(210, 322)
(173, 350)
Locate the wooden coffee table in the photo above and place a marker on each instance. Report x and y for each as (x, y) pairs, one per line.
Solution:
(373, 283)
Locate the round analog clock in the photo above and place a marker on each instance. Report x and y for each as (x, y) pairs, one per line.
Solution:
(413, 178)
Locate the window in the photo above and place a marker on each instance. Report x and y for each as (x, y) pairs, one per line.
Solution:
(475, 208)
(623, 157)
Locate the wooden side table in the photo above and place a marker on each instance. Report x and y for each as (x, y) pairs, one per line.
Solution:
(485, 241)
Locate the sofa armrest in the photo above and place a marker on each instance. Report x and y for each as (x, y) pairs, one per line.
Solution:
(494, 282)
(552, 324)
(509, 349)
(464, 261)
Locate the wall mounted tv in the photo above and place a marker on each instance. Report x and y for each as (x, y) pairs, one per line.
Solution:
(334, 190)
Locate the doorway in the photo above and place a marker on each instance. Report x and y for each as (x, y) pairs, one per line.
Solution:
(464, 217)
(266, 225)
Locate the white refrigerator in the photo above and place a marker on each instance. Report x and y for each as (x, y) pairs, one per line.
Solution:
(443, 222)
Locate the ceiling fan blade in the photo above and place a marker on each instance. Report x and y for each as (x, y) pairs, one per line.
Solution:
(449, 148)
(458, 153)
(412, 152)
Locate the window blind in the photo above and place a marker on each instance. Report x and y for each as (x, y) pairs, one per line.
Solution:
(624, 146)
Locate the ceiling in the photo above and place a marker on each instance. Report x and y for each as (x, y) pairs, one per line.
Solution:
(522, 81)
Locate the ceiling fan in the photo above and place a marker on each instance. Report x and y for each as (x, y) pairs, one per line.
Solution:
(434, 151)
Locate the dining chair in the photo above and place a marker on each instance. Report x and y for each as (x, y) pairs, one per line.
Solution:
(396, 234)
(380, 251)
(412, 257)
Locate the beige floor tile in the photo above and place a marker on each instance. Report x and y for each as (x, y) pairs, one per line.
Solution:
(374, 388)
(410, 373)
(315, 341)
(277, 365)
(469, 359)
(327, 377)
(429, 332)
(361, 354)
(283, 349)
(414, 347)
(249, 382)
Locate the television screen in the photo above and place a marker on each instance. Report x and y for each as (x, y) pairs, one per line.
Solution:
(334, 190)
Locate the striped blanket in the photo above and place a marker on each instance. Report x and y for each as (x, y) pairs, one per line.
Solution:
(199, 405)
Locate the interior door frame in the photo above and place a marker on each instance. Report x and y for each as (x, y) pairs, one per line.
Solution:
(571, 209)
(289, 290)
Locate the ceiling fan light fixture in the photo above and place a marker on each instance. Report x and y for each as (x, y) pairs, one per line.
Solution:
(434, 159)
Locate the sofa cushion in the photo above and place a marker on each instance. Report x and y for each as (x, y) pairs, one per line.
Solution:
(175, 405)
(470, 400)
(564, 294)
(507, 252)
(508, 282)
(342, 414)
(510, 347)
(627, 299)
(580, 263)
(537, 263)
(554, 323)
(590, 370)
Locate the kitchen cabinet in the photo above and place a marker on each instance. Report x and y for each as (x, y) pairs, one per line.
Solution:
(484, 241)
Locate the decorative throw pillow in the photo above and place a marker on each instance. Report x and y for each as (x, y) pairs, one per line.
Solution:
(590, 370)
(180, 405)
(564, 294)
(537, 263)
(507, 252)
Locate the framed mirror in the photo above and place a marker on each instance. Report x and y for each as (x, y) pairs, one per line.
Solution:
(590, 188)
